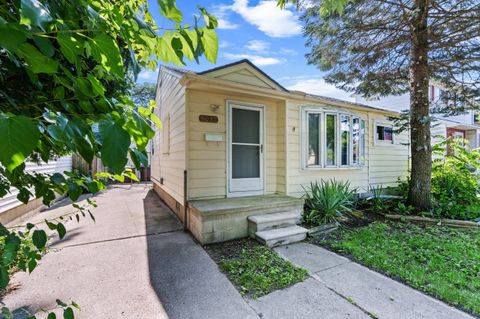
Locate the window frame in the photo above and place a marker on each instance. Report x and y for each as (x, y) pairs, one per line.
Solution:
(323, 112)
(378, 142)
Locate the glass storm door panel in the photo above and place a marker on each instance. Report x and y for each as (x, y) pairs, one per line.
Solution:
(246, 149)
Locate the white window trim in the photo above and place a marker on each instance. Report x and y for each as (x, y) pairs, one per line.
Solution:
(378, 142)
(323, 111)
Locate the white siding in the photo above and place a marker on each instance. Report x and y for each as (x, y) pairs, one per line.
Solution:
(59, 166)
(168, 158)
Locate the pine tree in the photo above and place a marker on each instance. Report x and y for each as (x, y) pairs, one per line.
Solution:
(377, 48)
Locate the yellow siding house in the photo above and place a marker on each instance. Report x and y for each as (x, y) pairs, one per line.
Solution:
(236, 150)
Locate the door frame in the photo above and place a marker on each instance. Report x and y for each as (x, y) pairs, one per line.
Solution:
(246, 106)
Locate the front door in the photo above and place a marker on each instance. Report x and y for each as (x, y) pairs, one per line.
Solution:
(245, 169)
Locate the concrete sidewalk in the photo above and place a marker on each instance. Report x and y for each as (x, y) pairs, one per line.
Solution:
(376, 295)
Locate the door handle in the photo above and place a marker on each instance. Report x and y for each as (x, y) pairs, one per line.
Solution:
(261, 148)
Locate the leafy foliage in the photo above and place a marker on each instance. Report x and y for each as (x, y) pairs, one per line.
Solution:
(440, 261)
(66, 68)
(455, 180)
(328, 202)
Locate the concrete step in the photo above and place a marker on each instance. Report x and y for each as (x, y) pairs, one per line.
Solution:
(264, 222)
(281, 236)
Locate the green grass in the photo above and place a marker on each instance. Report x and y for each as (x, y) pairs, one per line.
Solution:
(255, 269)
(440, 261)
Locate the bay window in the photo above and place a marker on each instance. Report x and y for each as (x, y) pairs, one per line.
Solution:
(332, 139)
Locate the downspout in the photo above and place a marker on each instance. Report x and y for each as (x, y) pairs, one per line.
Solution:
(185, 202)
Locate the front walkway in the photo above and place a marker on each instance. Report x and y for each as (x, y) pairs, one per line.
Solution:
(374, 294)
(136, 262)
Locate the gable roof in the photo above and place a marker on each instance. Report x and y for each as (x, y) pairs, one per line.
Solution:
(248, 64)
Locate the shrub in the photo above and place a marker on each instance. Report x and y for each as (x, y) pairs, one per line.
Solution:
(328, 202)
(455, 182)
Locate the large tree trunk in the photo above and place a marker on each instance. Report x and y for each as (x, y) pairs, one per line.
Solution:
(421, 149)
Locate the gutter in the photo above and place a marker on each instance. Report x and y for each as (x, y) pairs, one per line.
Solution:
(194, 80)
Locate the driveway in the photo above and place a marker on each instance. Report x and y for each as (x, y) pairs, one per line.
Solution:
(135, 261)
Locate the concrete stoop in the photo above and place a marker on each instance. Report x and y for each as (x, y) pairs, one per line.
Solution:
(276, 229)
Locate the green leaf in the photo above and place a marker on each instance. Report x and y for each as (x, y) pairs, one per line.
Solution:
(61, 230)
(39, 239)
(130, 174)
(74, 191)
(70, 46)
(37, 62)
(58, 178)
(32, 264)
(139, 158)
(139, 130)
(105, 51)
(97, 86)
(52, 315)
(33, 13)
(4, 278)
(24, 195)
(115, 145)
(68, 313)
(169, 9)
(210, 44)
(19, 135)
(11, 36)
(45, 46)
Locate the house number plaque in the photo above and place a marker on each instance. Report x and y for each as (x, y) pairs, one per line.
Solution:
(208, 118)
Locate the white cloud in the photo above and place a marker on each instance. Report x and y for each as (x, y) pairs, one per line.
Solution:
(257, 45)
(221, 12)
(226, 25)
(256, 59)
(320, 87)
(288, 51)
(224, 44)
(269, 18)
(147, 75)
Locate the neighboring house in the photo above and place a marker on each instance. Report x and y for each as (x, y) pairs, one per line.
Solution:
(466, 125)
(236, 144)
(12, 209)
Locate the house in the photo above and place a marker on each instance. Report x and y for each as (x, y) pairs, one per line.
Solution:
(237, 149)
(13, 210)
(465, 126)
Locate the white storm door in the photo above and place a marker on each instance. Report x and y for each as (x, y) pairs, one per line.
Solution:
(245, 150)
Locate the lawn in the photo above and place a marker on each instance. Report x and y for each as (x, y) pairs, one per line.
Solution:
(255, 270)
(440, 261)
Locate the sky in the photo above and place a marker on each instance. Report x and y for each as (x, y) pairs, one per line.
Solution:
(269, 37)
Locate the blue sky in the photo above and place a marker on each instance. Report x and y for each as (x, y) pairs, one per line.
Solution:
(259, 31)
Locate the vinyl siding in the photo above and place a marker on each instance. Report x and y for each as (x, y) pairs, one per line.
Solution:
(168, 158)
(388, 162)
(383, 164)
(63, 164)
(207, 164)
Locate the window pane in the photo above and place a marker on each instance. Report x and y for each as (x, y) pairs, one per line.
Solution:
(384, 133)
(245, 161)
(330, 139)
(362, 143)
(356, 140)
(345, 135)
(313, 156)
(245, 126)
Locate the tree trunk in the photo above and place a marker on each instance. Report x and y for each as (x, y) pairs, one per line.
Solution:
(421, 148)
